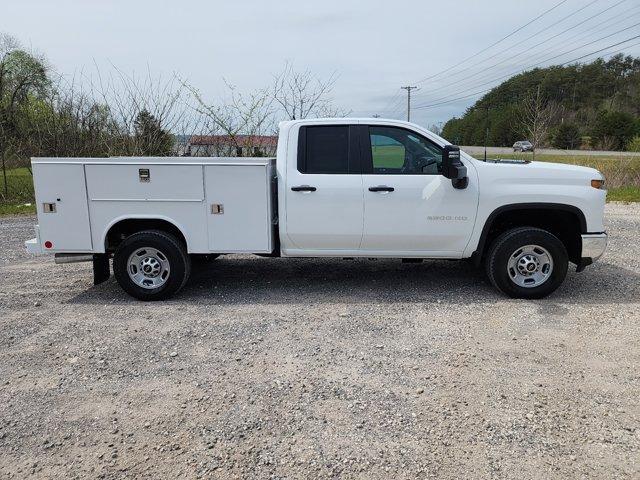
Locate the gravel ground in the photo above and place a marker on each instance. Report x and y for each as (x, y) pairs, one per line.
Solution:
(273, 368)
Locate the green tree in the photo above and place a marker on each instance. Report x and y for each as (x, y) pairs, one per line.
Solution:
(613, 130)
(149, 136)
(578, 91)
(567, 136)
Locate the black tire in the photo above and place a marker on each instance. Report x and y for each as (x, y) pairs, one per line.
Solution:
(171, 248)
(503, 247)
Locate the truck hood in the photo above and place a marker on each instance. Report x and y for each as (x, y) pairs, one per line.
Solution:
(566, 168)
(554, 172)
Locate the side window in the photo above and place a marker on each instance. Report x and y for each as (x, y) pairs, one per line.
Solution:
(402, 152)
(323, 149)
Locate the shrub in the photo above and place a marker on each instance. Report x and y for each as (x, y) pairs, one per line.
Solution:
(634, 144)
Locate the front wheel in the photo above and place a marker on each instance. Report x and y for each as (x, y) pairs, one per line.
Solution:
(151, 265)
(527, 262)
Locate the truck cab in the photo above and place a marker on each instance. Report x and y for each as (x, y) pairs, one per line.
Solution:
(337, 188)
(372, 189)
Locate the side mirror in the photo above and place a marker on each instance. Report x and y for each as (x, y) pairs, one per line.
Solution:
(453, 168)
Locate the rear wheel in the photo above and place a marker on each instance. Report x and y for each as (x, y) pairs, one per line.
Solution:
(527, 262)
(151, 265)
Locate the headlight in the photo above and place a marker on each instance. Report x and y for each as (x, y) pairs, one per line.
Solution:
(597, 183)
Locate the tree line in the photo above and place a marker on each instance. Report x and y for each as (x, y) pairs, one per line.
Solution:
(43, 113)
(589, 106)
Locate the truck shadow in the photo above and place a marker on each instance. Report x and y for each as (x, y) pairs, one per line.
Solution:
(240, 280)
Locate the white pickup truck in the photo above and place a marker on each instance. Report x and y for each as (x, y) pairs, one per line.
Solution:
(338, 188)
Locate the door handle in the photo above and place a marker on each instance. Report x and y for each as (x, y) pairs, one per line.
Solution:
(381, 188)
(303, 188)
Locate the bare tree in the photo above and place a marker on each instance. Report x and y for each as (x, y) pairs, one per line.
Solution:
(242, 118)
(301, 94)
(437, 128)
(536, 117)
(146, 109)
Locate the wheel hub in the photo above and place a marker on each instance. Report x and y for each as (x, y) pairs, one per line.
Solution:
(148, 268)
(530, 266)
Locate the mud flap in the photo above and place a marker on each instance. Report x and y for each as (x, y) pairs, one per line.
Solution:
(101, 271)
(584, 263)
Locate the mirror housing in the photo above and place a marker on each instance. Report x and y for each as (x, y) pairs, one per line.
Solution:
(453, 168)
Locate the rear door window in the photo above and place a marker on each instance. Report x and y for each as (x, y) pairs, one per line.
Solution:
(325, 150)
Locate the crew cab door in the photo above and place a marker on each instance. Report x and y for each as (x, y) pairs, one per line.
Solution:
(324, 197)
(410, 209)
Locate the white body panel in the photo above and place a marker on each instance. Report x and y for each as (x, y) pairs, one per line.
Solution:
(423, 217)
(243, 192)
(503, 184)
(67, 228)
(113, 191)
(327, 220)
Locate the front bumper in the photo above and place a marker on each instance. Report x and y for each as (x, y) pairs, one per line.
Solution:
(593, 246)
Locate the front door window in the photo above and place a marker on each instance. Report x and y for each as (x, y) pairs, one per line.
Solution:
(398, 151)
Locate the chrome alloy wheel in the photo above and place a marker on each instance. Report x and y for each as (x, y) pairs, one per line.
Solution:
(148, 267)
(530, 266)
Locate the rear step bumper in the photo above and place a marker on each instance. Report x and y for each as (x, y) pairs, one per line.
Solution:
(34, 246)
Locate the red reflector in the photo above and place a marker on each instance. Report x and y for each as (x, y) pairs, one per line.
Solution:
(48, 244)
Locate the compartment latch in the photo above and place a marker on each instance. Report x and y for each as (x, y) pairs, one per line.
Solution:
(217, 208)
(144, 174)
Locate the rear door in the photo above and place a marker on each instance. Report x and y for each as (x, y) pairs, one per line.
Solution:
(410, 209)
(324, 196)
(61, 187)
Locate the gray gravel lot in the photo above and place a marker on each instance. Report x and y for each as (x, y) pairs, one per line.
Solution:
(273, 368)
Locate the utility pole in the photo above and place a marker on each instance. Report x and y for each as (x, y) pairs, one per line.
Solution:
(408, 89)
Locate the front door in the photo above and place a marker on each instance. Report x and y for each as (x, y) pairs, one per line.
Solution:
(410, 209)
(324, 197)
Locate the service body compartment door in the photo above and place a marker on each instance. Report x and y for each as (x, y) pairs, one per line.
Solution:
(145, 182)
(63, 213)
(239, 208)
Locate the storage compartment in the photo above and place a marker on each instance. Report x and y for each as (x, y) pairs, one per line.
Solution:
(143, 181)
(239, 207)
(61, 200)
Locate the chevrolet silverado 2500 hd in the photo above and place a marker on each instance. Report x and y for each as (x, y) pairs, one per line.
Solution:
(338, 188)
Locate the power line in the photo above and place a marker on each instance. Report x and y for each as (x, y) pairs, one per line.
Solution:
(581, 35)
(544, 61)
(534, 46)
(573, 13)
(493, 44)
(389, 103)
(560, 65)
(528, 38)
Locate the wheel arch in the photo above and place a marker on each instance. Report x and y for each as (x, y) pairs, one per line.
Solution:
(121, 227)
(568, 221)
